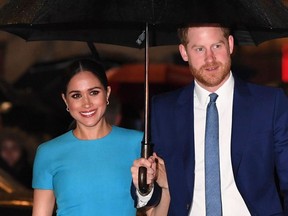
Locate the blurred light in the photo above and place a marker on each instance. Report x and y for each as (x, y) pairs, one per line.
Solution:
(285, 64)
(4, 186)
(5, 106)
(16, 203)
(285, 3)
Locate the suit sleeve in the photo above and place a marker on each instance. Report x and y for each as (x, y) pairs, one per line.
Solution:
(281, 145)
(155, 199)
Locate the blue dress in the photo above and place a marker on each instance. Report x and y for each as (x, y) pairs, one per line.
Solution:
(89, 177)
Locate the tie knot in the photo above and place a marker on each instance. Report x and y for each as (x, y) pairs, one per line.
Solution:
(213, 97)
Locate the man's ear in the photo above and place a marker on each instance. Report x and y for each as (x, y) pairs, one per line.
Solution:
(231, 43)
(182, 50)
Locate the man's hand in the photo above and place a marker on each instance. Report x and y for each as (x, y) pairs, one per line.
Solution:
(161, 176)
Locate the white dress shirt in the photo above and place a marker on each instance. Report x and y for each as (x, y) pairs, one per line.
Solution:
(232, 201)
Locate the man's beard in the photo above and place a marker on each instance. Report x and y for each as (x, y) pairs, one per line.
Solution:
(214, 78)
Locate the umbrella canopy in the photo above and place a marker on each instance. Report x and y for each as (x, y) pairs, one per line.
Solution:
(121, 22)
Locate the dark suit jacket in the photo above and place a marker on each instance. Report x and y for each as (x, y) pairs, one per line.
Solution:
(259, 144)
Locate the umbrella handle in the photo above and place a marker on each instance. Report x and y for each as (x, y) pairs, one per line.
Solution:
(142, 181)
(142, 172)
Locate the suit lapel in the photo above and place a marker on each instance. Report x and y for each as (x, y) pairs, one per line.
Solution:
(241, 118)
(185, 132)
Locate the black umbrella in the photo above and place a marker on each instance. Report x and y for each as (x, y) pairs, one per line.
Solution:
(122, 21)
(141, 23)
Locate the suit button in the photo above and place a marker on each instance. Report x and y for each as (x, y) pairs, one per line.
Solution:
(187, 206)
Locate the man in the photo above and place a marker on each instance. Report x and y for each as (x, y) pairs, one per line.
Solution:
(253, 135)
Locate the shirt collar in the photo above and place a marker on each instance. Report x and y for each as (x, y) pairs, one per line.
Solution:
(224, 91)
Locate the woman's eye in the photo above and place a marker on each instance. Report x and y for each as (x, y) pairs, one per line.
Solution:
(94, 92)
(75, 96)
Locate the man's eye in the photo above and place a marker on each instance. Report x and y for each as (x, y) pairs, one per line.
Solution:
(216, 46)
(199, 49)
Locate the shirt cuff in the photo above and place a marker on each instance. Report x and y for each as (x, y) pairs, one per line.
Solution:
(143, 200)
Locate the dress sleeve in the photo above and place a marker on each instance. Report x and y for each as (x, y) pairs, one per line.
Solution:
(42, 176)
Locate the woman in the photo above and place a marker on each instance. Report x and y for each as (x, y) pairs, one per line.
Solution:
(86, 170)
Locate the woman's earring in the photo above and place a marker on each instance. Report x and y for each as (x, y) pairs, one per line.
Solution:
(67, 109)
(107, 102)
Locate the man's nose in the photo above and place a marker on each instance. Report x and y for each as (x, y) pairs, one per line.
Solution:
(210, 56)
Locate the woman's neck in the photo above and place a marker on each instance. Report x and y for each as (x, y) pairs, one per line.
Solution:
(100, 130)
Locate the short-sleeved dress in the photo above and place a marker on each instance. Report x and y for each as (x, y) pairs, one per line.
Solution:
(89, 177)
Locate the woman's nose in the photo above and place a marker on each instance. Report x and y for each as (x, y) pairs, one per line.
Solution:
(87, 102)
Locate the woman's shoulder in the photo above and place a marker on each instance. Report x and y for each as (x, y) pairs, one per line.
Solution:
(63, 138)
(126, 131)
(130, 138)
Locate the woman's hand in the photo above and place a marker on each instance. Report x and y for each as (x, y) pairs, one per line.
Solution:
(151, 166)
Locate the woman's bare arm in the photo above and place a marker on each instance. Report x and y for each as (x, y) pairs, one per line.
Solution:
(44, 202)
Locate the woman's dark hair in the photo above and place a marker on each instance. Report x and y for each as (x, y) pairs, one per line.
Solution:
(84, 65)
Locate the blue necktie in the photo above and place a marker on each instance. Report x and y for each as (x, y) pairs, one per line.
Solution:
(212, 168)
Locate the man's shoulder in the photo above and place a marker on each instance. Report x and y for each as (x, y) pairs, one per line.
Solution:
(258, 89)
(175, 94)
